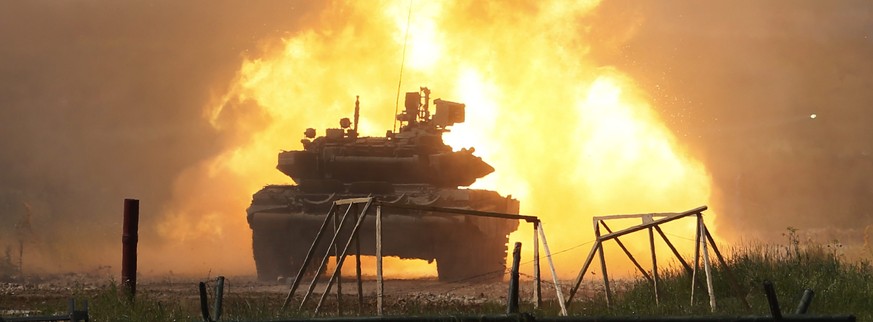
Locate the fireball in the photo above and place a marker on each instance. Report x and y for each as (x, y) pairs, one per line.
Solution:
(568, 137)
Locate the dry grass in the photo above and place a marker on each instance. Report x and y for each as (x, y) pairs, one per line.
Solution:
(841, 286)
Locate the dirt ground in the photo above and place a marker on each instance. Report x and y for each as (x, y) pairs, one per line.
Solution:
(39, 293)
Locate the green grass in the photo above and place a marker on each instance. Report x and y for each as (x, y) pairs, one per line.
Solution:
(840, 286)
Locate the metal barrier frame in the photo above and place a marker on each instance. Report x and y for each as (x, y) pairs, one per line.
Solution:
(371, 202)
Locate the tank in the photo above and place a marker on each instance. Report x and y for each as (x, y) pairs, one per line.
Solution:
(413, 166)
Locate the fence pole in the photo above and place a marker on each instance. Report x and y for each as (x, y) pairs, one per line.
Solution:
(554, 274)
(219, 298)
(805, 300)
(512, 299)
(358, 265)
(204, 303)
(772, 300)
(128, 245)
(603, 270)
(380, 285)
(654, 266)
(707, 267)
(339, 280)
(538, 290)
(696, 260)
(308, 257)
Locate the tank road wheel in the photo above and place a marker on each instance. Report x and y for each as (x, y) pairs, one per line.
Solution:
(272, 254)
(478, 261)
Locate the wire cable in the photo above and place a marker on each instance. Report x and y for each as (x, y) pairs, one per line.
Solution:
(402, 63)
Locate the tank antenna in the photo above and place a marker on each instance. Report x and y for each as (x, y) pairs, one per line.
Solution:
(357, 112)
(402, 62)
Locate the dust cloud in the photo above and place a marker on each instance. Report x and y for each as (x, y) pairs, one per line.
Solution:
(184, 105)
(103, 100)
(772, 95)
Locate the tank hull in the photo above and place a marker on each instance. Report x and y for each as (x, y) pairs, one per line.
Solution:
(285, 218)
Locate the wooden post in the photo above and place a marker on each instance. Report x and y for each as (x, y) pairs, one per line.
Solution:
(603, 265)
(379, 281)
(538, 291)
(554, 274)
(512, 297)
(129, 239)
(654, 266)
(707, 267)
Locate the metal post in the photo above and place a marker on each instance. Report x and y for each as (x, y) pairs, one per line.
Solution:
(730, 275)
(538, 290)
(706, 266)
(603, 265)
(805, 300)
(348, 245)
(583, 270)
(554, 274)
(696, 259)
(358, 266)
(204, 306)
(380, 286)
(339, 280)
(128, 241)
(673, 249)
(324, 259)
(308, 258)
(772, 300)
(654, 266)
(219, 297)
(627, 252)
(78, 315)
(512, 298)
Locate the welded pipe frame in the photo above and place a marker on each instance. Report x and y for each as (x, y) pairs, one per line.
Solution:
(651, 224)
(539, 234)
(702, 239)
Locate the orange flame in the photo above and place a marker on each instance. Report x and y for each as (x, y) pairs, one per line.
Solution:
(567, 137)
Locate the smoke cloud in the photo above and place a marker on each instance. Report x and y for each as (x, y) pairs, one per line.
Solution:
(101, 101)
(773, 96)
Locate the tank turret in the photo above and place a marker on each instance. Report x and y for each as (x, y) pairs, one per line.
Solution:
(416, 154)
